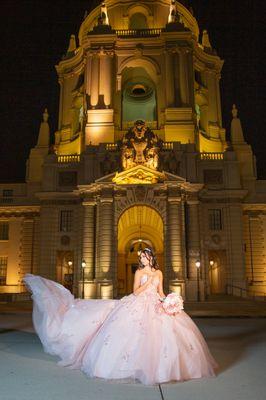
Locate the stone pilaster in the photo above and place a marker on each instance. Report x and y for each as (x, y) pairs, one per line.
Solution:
(174, 258)
(177, 78)
(184, 88)
(49, 222)
(169, 80)
(194, 281)
(106, 74)
(105, 263)
(95, 80)
(88, 74)
(89, 239)
(88, 248)
(212, 89)
(236, 273)
(193, 237)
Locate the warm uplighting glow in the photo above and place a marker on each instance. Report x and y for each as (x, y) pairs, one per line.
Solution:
(197, 263)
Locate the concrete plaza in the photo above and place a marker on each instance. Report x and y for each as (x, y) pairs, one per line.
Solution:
(27, 373)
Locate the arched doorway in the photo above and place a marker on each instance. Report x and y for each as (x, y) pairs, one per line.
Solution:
(217, 271)
(138, 226)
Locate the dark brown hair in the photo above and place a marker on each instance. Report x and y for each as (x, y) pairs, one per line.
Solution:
(150, 255)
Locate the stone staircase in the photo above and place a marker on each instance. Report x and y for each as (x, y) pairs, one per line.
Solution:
(224, 305)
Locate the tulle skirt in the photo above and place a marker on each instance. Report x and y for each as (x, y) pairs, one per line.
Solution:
(118, 339)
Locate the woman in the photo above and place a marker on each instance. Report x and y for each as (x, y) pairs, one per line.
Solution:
(118, 339)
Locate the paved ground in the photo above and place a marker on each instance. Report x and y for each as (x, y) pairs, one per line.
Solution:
(27, 373)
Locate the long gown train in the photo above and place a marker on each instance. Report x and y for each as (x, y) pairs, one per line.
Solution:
(118, 339)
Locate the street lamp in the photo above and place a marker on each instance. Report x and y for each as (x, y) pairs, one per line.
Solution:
(69, 276)
(197, 263)
(83, 265)
(211, 263)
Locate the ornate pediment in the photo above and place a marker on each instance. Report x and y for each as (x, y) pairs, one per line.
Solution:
(140, 174)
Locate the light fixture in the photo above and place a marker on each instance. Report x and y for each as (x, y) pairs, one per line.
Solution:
(211, 263)
(70, 263)
(83, 265)
(140, 239)
(197, 263)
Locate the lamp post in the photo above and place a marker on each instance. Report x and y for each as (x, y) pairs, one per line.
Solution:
(69, 281)
(211, 263)
(69, 263)
(83, 265)
(197, 263)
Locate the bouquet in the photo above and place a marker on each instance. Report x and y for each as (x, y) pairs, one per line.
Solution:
(171, 305)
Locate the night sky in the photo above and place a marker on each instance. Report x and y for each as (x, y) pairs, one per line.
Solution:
(35, 35)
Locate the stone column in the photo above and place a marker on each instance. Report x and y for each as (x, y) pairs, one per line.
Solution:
(218, 96)
(184, 88)
(193, 237)
(94, 80)
(174, 258)
(60, 117)
(190, 78)
(88, 74)
(177, 79)
(169, 80)
(212, 89)
(88, 249)
(106, 78)
(194, 253)
(105, 264)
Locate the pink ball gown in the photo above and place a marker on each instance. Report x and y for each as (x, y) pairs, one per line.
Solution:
(119, 339)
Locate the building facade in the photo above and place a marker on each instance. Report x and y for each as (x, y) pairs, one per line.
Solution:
(140, 159)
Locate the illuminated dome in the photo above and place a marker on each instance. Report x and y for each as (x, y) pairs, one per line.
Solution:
(128, 14)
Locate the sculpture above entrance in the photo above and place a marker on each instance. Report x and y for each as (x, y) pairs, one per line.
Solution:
(140, 146)
(139, 174)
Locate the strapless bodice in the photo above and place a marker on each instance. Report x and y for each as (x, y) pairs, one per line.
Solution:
(154, 282)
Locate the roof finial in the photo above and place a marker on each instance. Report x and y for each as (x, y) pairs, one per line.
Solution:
(45, 115)
(72, 44)
(173, 13)
(206, 39)
(44, 131)
(236, 128)
(104, 14)
(234, 111)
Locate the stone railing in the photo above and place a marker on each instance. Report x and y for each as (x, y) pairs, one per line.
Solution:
(246, 293)
(111, 146)
(168, 145)
(212, 156)
(68, 158)
(6, 200)
(138, 33)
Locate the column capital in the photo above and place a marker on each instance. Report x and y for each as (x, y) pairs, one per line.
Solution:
(174, 200)
(192, 202)
(106, 200)
(87, 203)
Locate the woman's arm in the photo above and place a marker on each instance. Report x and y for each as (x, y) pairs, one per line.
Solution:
(160, 287)
(137, 288)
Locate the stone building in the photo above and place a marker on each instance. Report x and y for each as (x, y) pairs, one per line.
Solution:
(140, 159)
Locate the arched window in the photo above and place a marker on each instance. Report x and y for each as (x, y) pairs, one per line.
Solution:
(138, 21)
